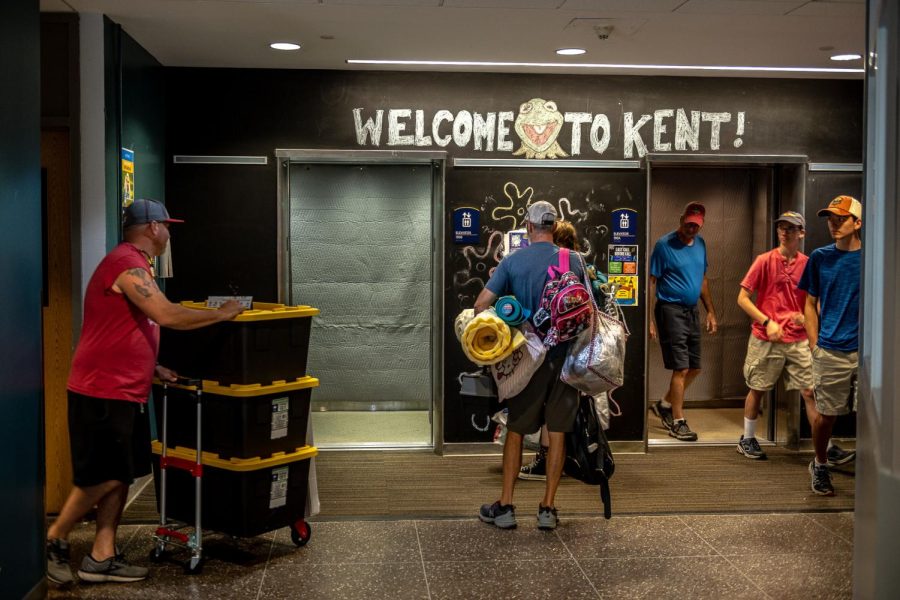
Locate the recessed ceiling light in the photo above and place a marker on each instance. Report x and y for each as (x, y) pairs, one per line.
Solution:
(846, 57)
(284, 46)
(570, 51)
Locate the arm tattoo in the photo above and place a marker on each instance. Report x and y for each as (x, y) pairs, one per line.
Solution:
(147, 286)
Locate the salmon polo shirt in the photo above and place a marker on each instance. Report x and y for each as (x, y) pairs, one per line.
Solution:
(775, 281)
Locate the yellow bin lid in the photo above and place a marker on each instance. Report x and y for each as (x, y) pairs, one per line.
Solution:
(262, 311)
(245, 390)
(239, 464)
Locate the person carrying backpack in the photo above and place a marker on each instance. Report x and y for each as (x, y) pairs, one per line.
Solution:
(546, 399)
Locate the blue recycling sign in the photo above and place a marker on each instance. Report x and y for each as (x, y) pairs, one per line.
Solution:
(624, 226)
(467, 225)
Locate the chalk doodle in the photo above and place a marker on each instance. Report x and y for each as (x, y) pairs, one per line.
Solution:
(479, 265)
(516, 198)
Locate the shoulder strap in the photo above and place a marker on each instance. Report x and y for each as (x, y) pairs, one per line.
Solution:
(563, 260)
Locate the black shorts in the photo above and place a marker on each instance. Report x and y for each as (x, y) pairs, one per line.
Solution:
(679, 335)
(545, 400)
(110, 440)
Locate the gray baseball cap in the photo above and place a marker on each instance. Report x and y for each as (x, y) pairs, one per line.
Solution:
(542, 213)
(144, 210)
(794, 218)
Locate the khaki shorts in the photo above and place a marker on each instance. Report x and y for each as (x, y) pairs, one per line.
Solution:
(834, 374)
(767, 360)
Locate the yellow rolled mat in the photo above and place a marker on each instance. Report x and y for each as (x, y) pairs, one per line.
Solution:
(486, 339)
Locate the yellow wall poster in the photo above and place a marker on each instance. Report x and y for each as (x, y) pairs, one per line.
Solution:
(626, 289)
(127, 177)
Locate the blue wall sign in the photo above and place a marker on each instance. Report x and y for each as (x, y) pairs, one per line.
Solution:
(624, 226)
(466, 225)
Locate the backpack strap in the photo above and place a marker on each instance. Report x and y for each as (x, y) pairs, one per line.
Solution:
(556, 271)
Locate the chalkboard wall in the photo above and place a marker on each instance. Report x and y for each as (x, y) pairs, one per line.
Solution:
(229, 243)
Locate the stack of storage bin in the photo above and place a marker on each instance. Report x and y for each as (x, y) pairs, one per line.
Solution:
(255, 413)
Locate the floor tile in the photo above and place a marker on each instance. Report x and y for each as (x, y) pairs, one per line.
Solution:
(765, 534)
(338, 581)
(695, 577)
(631, 537)
(841, 524)
(522, 580)
(351, 542)
(472, 540)
(800, 576)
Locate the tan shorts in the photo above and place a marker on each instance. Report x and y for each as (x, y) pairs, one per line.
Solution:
(766, 361)
(834, 373)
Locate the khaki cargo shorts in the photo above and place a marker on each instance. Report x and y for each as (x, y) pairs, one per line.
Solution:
(766, 361)
(834, 374)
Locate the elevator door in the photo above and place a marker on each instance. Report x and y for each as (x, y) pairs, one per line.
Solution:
(736, 229)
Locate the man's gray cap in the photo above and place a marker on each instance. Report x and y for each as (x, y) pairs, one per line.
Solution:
(542, 213)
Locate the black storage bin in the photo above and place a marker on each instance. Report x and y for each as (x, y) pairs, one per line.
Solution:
(240, 421)
(268, 343)
(241, 497)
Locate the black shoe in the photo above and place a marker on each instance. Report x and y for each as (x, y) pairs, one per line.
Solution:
(58, 569)
(537, 470)
(499, 515)
(664, 414)
(681, 431)
(749, 447)
(838, 456)
(821, 479)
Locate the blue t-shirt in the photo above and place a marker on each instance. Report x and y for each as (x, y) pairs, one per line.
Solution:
(679, 269)
(524, 273)
(832, 276)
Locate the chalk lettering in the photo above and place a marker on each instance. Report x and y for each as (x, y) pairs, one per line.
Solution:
(659, 128)
(633, 136)
(503, 131)
(577, 119)
(600, 145)
(716, 119)
(395, 127)
(373, 129)
(483, 130)
(421, 138)
(687, 134)
(441, 115)
(462, 128)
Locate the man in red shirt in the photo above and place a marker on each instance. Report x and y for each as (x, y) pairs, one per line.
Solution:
(109, 383)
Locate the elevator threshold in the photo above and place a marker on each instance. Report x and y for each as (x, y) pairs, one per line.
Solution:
(722, 443)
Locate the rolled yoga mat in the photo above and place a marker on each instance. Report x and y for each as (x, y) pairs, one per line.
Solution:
(511, 311)
(487, 339)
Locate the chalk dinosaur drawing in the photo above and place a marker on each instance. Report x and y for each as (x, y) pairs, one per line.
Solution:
(538, 125)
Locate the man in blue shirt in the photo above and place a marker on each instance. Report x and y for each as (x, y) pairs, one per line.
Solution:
(546, 399)
(677, 280)
(831, 280)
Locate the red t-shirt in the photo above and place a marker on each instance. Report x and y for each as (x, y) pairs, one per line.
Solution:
(778, 296)
(116, 354)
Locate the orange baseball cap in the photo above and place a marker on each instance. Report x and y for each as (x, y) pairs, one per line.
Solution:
(843, 206)
(694, 212)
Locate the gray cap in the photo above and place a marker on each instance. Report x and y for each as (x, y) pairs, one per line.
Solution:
(794, 218)
(542, 213)
(144, 210)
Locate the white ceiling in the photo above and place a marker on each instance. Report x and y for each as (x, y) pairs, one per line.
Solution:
(236, 33)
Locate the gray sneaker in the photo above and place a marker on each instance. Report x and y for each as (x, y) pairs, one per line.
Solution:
(58, 569)
(838, 456)
(112, 569)
(499, 515)
(664, 414)
(681, 431)
(547, 517)
(820, 479)
(749, 447)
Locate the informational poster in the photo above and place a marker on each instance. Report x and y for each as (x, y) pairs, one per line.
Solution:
(467, 225)
(623, 259)
(624, 226)
(626, 289)
(515, 239)
(127, 177)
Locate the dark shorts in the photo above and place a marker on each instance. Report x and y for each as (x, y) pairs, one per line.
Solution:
(545, 400)
(110, 440)
(679, 335)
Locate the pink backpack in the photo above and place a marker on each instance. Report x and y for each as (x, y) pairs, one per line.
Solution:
(566, 301)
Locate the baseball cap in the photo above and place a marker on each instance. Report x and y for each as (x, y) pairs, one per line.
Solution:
(542, 213)
(794, 218)
(694, 212)
(144, 210)
(843, 205)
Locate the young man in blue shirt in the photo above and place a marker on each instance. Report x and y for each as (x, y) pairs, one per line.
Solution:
(677, 280)
(831, 280)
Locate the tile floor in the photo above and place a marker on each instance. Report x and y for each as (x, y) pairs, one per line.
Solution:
(770, 556)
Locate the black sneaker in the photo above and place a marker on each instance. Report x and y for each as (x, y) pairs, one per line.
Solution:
(838, 456)
(537, 470)
(681, 431)
(500, 515)
(112, 569)
(664, 414)
(821, 479)
(58, 569)
(749, 447)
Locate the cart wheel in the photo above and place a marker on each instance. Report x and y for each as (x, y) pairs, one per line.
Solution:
(157, 554)
(194, 566)
(300, 533)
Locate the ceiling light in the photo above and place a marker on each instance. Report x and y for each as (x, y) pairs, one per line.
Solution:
(846, 57)
(570, 51)
(284, 46)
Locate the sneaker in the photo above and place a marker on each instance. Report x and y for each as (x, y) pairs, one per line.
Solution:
(537, 470)
(502, 516)
(681, 431)
(821, 479)
(58, 569)
(111, 569)
(664, 414)
(749, 447)
(838, 456)
(547, 517)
